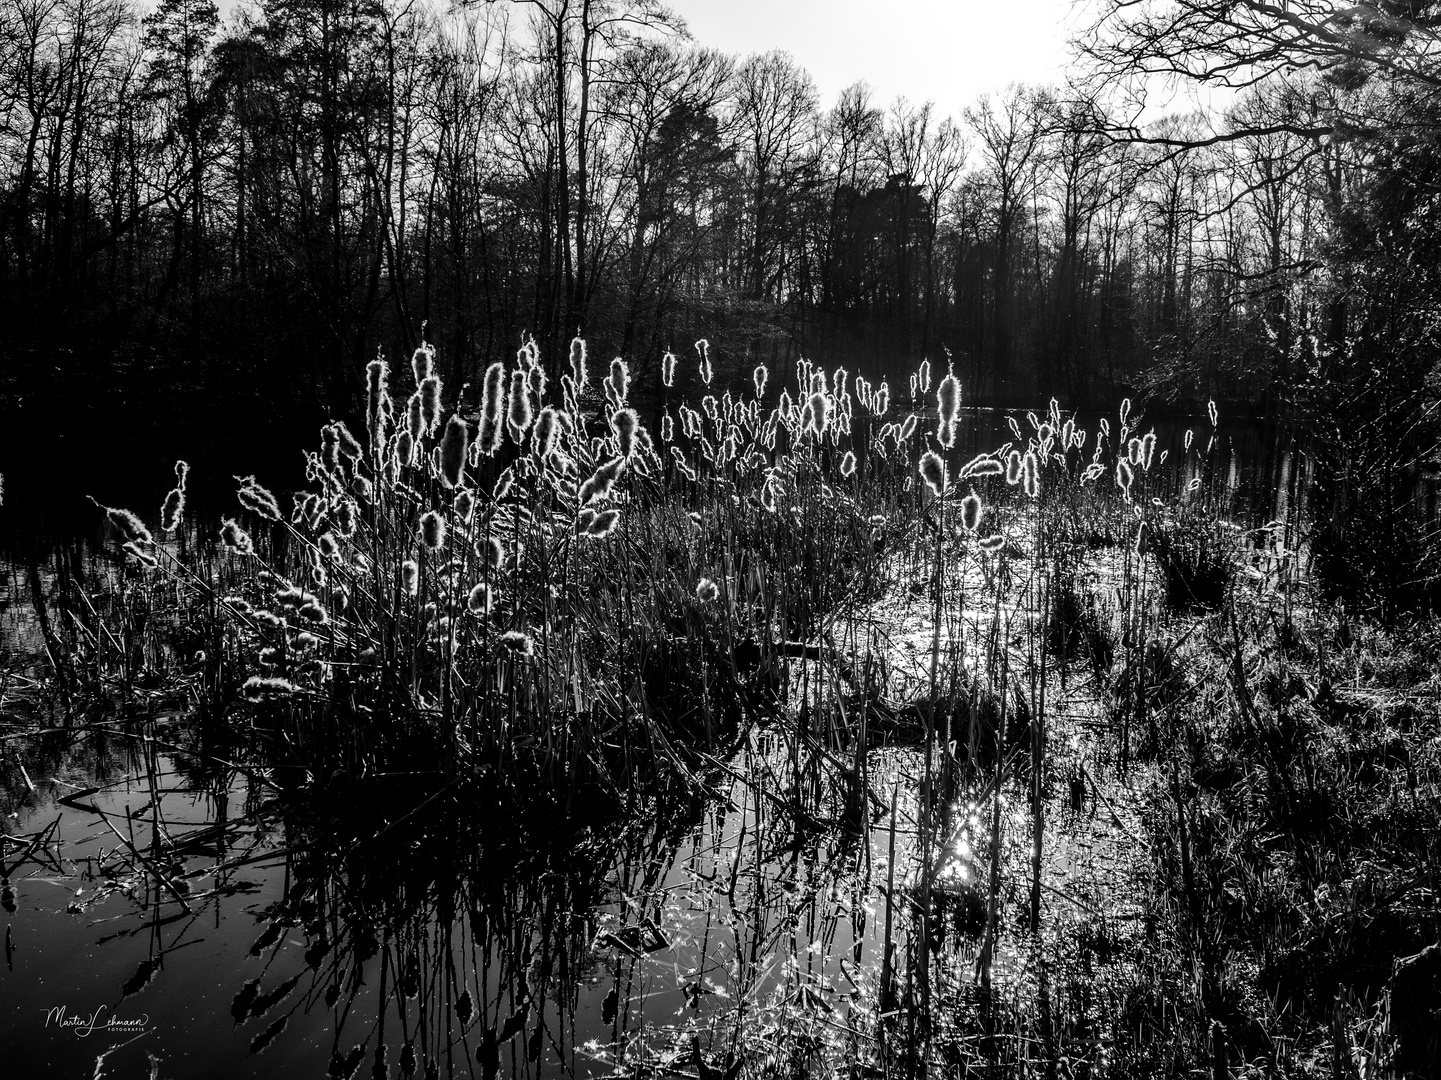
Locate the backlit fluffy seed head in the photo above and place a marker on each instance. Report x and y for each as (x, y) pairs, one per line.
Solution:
(503, 483)
(415, 417)
(1031, 474)
(236, 538)
(598, 487)
(923, 377)
(492, 408)
(452, 451)
(520, 416)
(432, 530)
(602, 524)
(1190, 437)
(667, 369)
(257, 500)
(543, 438)
(478, 602)
(1013, 467)
(1133, 451)
(994, 542)
(623, 423)
(1125, 409)
(706, 590)
(907, 429)
(933, 472)
(1143, 538)
(430, 403)
(377, 393)
(620, 378)
(819, 406)
(172, 509)
(667, 428)
(703, 348)
(760, 376)
(463, 505)
(130, 526)
(1124, 476)
(848, 464)
(345, 514)
(410, 577)
(578, 373)
(982, 465)
(517, 643)
(1211, 412)
(948, 399)
(1068, 433)
(971, 512)
(328, 545)
(422, 363)
(266, 687)
(881, 400)
(348, 445)
(488, 548)
(1148, 450)
(139, 554)
(405, 449)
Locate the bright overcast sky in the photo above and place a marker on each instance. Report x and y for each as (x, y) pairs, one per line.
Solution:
(949, 51)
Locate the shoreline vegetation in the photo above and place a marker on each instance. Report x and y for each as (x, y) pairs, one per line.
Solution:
(1037, 761)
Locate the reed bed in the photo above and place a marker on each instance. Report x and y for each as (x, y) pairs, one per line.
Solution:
(892, 695)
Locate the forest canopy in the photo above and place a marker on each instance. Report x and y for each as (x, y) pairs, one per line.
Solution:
(263, 202)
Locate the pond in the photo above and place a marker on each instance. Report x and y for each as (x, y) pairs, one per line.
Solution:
(181, 899)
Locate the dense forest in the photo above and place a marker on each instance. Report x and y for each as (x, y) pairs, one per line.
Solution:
(259, 203)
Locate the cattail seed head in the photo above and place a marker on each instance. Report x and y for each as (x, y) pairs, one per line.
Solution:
(602, 524)
(1211, 412)
(907, 429)
(703, 348)
(173, 509)
(236, 538)
(377, 375)
(492, 408)
(933, 472)
(623, 422)
(1013, 468)
(981, 465)
(1148, 450)
(452, 451)
(432, 530)
(257, 499)
(598, 487)
(422, 363)
(819, 405)
(1031, 474)
(520, 416)
(543, 437)
(430, 403)
(760, 376)
(971, 512)
(667, 428)
(578, 373)
(667, 369)
(404, 449)
(410, 577)
(517, 643)
(348, 444)
(620, 379)
(948, 399)
(328, 545)
(848, 464)
(478, 602)
(706, 590)
(1124, 476)
(1125, 409)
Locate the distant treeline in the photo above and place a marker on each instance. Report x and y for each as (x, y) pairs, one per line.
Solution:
(259, 206)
